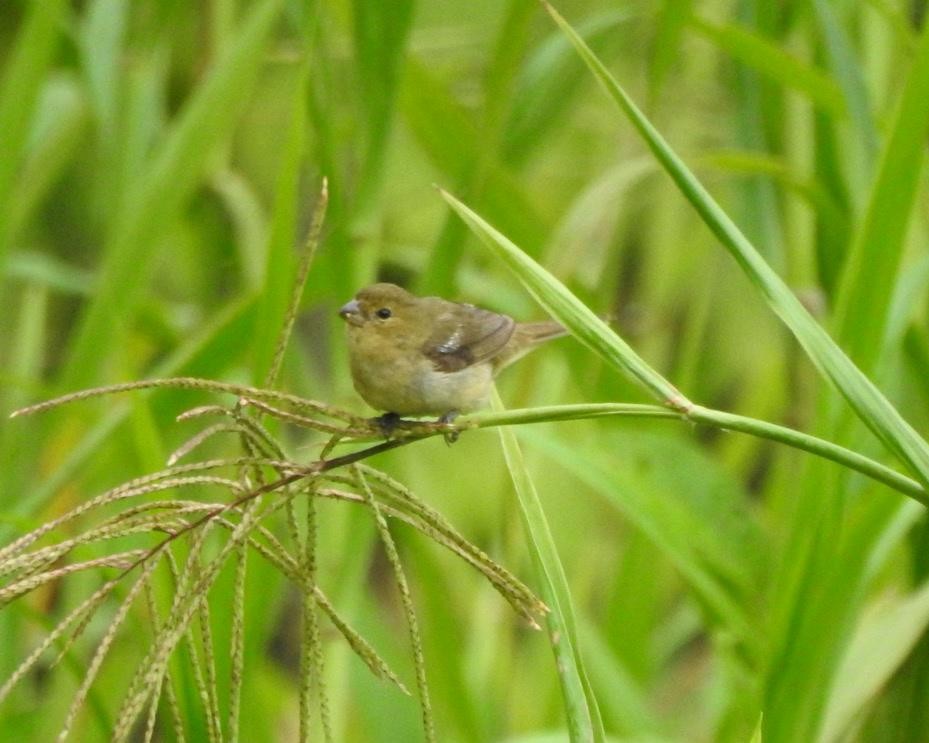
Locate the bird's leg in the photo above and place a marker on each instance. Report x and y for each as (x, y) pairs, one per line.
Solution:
(449, 417)
(388, 423)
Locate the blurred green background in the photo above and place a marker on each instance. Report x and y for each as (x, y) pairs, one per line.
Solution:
(159, 161)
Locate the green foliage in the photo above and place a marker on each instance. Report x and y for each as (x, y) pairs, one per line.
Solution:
(744, 558)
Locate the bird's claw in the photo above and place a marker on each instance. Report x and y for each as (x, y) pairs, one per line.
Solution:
(446, 419)
(388, 423)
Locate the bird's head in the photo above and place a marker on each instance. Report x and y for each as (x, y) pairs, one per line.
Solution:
(382, 310)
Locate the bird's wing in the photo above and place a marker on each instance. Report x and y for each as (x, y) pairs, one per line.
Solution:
(467, 335)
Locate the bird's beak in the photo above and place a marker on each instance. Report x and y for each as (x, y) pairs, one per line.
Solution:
(351, 312)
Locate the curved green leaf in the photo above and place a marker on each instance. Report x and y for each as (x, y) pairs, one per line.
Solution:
(865, 398)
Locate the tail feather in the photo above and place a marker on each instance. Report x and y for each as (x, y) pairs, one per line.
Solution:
(527, 336)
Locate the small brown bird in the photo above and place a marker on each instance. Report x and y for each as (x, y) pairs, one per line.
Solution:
(428, 356)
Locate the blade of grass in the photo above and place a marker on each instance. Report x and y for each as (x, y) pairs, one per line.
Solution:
(832, 573)
(549, 84)
(832, 231)
(683, 534)
(207, 353)
(583, 716)
(280, 257)
(877, 650)
(447, 133)
(444, 263)
(160, 193)
(817, 596)
(101, 42)
(555, 297)
(672, 20)
(866, 287)
(625, 702)
(600, 338)
(27, 353)
(864, 397)
(848, 73)
(19, 91)
(380, 36)
(772, 61)
(59, 129)
(758, 104)
(247, 214)
(744, 162)
(142, 121)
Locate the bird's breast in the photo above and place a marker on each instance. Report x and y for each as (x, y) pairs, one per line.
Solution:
(409, 384)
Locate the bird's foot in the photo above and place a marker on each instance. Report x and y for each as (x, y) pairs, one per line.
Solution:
(388, 423)
(445, 419)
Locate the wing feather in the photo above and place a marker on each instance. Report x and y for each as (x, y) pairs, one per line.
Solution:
(467, 335)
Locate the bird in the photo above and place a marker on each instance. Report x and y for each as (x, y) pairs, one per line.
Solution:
(429, 356)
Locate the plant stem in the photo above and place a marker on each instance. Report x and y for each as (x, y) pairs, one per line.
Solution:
(708, 417)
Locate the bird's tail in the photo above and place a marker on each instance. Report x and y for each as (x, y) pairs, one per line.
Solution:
(526, 337)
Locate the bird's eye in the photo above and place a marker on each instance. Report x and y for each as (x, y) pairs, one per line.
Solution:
(383, 313)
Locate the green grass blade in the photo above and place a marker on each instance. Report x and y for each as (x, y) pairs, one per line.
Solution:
(27, 343)
(511, 44)
(549, 84)
(209, 352)
(160, 193)
(19, 91)
(59, 129)
(380, 35)
(693, 542)
(280, 258)
(583, 717)
(865, 398)
(101, 44)
(447, 133)
(758, 105)
(847, 72)
(780, 173)
(833, 231)
(866, 288)
(623, 702)
(672, 20)
(772, 61)
(558, 300)
(881, 644)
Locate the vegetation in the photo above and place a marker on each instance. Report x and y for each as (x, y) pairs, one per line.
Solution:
(713, 506)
